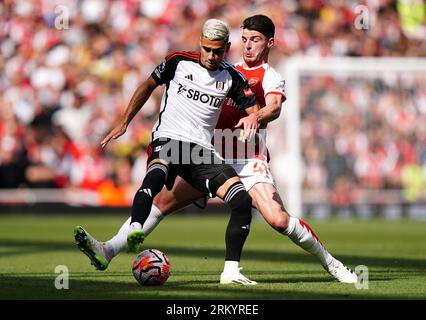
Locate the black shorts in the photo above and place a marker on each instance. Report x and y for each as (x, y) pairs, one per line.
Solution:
(193, 163)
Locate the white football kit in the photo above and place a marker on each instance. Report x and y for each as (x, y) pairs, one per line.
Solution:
(194, 96)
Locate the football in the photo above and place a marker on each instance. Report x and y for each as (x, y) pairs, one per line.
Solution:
(151, 267)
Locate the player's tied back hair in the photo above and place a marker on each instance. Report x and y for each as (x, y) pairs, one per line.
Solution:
(260, 23)
(214, 29)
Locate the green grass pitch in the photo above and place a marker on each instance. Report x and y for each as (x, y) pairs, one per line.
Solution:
(31, 246)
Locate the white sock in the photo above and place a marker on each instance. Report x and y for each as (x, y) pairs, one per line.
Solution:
(135, 226)
(231, 267)
(301, 234)
(117, 243)
(154, 218)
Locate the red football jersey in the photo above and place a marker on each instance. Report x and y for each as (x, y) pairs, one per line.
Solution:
(263, 80)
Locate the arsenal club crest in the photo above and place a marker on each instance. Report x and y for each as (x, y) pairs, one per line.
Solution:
(253, 81)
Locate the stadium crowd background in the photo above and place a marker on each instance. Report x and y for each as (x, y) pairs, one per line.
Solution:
(62, 89)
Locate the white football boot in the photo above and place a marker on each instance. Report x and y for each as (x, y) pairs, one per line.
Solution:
(340, 272)
(237, 278)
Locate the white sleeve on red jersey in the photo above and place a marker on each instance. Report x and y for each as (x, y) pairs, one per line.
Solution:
(273, 82)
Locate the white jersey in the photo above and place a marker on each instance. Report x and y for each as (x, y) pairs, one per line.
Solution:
(194, 96)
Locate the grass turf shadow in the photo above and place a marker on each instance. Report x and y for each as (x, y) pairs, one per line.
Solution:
(18, 247)
(40, 288)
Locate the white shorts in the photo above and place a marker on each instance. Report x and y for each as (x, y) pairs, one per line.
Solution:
(253, 171)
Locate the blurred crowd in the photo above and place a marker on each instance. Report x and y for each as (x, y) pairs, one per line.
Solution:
(69, 68)
(370, 135)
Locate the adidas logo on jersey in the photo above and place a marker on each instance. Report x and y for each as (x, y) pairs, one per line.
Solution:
(147, 191)
(189, 76)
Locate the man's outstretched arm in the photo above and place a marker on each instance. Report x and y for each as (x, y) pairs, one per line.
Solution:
(139, 98)
(269, 113)
(272, 110)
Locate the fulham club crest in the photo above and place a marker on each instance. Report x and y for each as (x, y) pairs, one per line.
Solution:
(220, 85)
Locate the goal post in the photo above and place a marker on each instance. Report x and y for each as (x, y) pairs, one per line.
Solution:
(284, 133)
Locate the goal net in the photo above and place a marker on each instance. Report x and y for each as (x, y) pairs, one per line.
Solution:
(351, 139)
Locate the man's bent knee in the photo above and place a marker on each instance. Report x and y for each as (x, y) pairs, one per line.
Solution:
(221, 183)
(158, 160)
(223, 189)
(238, 199)
(164, 201)
(279, 221)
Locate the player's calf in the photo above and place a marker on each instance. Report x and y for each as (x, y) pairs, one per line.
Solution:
(237, 231)
(236, 234)
(228, 186)
(155, 178)
(238, 228)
